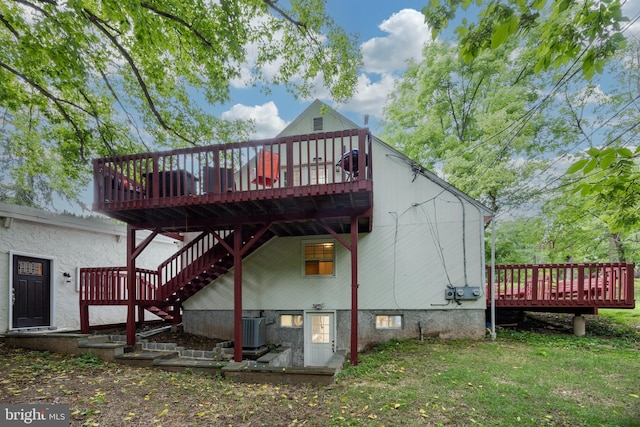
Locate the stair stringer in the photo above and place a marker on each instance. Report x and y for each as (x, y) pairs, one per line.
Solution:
(201, 271)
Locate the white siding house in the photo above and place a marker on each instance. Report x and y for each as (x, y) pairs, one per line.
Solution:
(40, 254)
(426, 243)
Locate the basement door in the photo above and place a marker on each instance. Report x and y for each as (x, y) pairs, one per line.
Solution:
(31, 292)
(319, 338)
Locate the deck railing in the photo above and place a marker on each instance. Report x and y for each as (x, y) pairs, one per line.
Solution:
(187, 262)
(109, 285)
(184, 176)
(604, 285)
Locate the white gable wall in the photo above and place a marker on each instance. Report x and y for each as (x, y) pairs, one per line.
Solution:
(425, 236)
(71, 243)
(413, 252)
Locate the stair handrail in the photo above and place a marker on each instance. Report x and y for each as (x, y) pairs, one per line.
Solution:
(187, 262)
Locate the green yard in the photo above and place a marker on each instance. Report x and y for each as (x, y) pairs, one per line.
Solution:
(544, 378)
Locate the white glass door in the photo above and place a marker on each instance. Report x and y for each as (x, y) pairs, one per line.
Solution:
(319, 338)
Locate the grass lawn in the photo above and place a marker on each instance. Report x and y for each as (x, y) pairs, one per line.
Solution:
(625, 317)
(521, 379)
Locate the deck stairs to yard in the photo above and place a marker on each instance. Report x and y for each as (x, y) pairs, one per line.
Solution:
(162, 292)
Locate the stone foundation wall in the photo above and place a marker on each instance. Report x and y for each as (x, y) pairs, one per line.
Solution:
(445, 324)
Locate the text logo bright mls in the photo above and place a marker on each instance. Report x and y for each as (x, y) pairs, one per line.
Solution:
(34, 415)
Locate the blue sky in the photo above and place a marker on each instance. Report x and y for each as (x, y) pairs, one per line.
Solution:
(389, 32)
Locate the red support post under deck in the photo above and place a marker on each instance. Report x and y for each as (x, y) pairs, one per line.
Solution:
(237, 293)
(354, 291)
(352, 247)
(131, 286)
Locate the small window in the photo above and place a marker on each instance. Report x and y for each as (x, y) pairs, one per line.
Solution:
(28, 268)
(291, 320)
(388, 322)
(317, 124)
(319, 259)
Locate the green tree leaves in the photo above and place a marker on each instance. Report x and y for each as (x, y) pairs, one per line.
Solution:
(473, 120)
(89, 78)
(587, 31)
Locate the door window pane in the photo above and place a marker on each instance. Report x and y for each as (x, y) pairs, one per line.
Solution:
(30, 268)
(320, 333)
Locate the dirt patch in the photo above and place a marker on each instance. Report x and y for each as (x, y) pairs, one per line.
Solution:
(186, 340)
(179, 337)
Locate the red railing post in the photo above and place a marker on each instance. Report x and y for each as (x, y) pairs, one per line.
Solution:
(534, 282)
(629, 282)
(580, 283)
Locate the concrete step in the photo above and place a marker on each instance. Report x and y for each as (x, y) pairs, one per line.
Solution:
(107, 351)
(144, 358)
(93, 339)
(179, 364)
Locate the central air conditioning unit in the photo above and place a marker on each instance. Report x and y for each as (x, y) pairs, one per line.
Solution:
(254, 331)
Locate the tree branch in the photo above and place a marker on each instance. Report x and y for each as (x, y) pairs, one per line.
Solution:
(143, 86)
(9, 26)
(34, 7)
(117, 98)
(459, 132)
(99, 123)
(178, 20)
(301, 26)
(57, 101)
(285, 15)
(577, 120)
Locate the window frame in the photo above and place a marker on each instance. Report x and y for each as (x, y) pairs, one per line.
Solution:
(334, 260)
(318, 124)
(389, 316)
(293, 320)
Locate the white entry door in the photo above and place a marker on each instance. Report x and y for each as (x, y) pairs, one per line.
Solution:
(319, 338)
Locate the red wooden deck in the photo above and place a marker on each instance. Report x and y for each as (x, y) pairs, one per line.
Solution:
(237, 196)
(567, 288)
(291, 182)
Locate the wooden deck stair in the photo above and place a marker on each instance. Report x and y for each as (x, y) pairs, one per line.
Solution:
(206, 260)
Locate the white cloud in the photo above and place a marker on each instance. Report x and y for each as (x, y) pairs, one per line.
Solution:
(631, 9)
(593, 95)
(370, 97)
(384, 57)
(265, 117)
(407, 35)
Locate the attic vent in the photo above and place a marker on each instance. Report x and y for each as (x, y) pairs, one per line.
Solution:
(317, 123)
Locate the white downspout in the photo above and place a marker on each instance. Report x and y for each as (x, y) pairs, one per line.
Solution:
(493, 278)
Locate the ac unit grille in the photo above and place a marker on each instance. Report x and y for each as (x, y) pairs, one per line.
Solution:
(253, 332)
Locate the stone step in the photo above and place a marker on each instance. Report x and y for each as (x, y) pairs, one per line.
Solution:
(144, 358)
(87, 339)
(107, 351)
(180, 365)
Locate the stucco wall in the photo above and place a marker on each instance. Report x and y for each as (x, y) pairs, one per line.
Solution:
(71, 243)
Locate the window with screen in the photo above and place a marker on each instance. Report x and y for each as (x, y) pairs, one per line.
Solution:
(291, 320)
(385, 321)
(319, 259)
